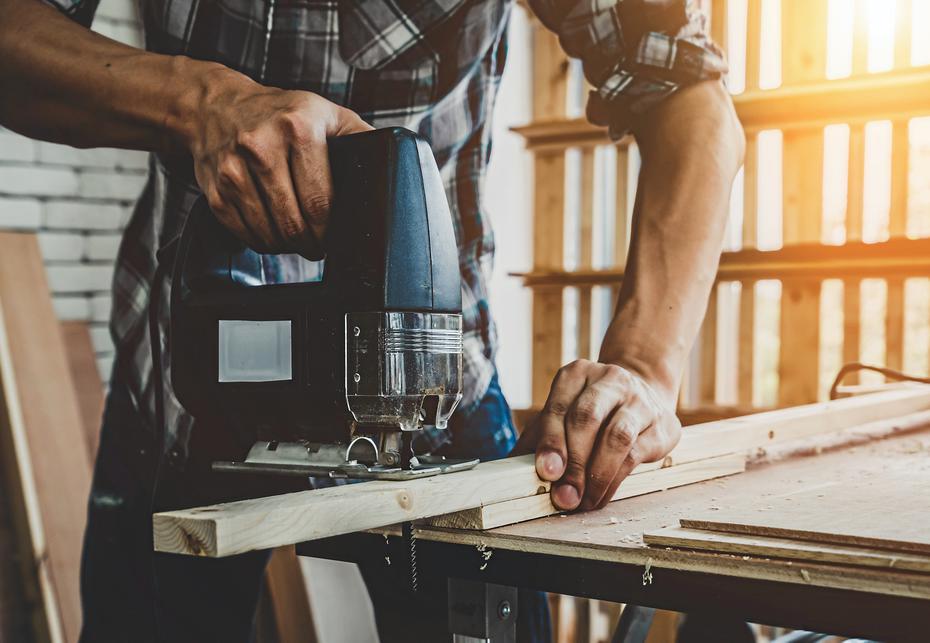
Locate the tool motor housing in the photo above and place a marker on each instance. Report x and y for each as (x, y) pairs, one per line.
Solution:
(374, 341)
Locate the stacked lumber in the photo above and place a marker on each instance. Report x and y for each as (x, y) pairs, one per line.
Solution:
(508, 491)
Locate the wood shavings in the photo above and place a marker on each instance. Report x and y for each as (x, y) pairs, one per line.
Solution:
(647, 575)
(486, 553)
(805, 575)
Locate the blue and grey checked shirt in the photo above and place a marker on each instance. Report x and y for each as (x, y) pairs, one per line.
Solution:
(432, 66)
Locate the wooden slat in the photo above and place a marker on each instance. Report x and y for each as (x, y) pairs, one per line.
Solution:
(887, 95)
(900, 171)
(855, 192)
(41, 431)
(638, 484)
(903, 257)
(747, 338)
(852, 323)
(262, 523)
(718, 23)
(799, 550)
(800, 298)
(550, 74)
(548, 253)
(586, 238)
(753, 43)
(902, 40)
(894, 323)
(804, 40)
(860, 43)
(82, 362)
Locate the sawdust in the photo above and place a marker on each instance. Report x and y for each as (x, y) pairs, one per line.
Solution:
(647, 575)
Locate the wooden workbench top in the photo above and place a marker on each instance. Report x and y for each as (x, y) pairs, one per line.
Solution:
(885, 485)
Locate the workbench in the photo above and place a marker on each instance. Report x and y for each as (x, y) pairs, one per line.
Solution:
(601, 554)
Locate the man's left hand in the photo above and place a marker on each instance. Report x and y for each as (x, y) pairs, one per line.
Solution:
(599, 422)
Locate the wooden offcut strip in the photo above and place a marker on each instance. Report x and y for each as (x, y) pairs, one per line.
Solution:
(862, 513)
(262, 523)
(42, 440)
(638, 484)
(726, 543)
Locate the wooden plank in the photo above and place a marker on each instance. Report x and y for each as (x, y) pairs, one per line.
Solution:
(894, 323)
(263, 523)
(586, 238)
(902, 39)
(82, 362)
(804, 40)
(753, 43)
(548, 253)
(798, 550)
(40, 429)
(900, 175)
(860, 43)
(855, 187)
(798, 361)
(550, 74)
(747, 343)
(290, 600)
(890, 510)
(614, 534)
(852, 315)
(638, 484)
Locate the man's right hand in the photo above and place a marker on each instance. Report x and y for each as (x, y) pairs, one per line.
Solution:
(260, 157)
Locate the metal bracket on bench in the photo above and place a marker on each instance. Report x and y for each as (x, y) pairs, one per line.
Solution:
(482, 612)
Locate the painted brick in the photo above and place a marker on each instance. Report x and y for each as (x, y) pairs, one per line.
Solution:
(20, 213)
(71, 307)
(95, 184)
(80, 278)
(132, 160)
(15, 147)
(83, 216)
(61, 246)
(119, 10)
(54, 154)
(102, 247)
(39, 181)
(100, 338)
(100, 306)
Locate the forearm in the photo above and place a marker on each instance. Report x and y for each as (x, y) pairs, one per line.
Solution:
(691, 154)
(63, 83)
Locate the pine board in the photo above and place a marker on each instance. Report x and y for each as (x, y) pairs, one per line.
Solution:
(640, 483)
(796, 550)
(42, 438)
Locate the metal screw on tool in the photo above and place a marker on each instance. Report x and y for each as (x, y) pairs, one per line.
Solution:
(504, 610)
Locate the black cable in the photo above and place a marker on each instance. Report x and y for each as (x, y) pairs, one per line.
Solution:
(889, 373)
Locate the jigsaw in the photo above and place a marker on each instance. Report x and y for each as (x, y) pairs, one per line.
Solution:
(335, 369)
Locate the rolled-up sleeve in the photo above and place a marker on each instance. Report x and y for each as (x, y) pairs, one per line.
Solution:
(81, 11)
(635, 53)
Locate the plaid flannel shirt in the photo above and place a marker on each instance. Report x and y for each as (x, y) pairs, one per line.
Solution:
(432, 66)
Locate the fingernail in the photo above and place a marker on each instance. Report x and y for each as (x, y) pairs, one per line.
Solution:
(566, 496)
(550, 464)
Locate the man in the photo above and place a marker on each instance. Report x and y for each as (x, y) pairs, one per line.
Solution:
(236, 98)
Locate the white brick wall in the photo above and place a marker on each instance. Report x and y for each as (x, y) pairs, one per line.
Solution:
(78, 202)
